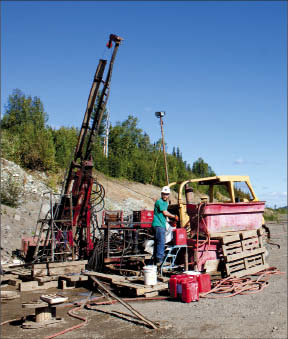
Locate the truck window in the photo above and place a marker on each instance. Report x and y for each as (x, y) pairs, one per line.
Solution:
(221, 193)
(242, 192)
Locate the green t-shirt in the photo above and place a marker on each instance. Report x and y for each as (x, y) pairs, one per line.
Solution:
(159, 218)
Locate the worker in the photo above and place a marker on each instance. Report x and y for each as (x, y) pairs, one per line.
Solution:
(159, 225)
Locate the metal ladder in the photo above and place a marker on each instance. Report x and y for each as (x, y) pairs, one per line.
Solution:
(170, 257)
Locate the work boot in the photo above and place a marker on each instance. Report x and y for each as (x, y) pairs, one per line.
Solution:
(159, 267)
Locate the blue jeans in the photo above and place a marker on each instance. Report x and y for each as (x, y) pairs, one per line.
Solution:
(159, 244)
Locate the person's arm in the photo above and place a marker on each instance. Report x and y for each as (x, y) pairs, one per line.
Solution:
(169, 215)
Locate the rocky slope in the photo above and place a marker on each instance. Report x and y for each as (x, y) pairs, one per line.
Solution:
(21, 220)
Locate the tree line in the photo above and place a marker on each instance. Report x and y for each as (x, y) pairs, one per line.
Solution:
(28, 140)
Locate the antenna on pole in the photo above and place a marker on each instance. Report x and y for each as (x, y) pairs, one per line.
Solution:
(160, 115)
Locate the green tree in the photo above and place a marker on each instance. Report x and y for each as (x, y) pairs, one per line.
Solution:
(65, 140)
(25, 120)
(201, 169)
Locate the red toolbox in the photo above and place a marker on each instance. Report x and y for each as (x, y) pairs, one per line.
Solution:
(190, 291)
(143, 216)
(180, 236)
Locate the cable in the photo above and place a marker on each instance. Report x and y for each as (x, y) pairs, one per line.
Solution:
(10, 321)
(74, 316)
(243, 285)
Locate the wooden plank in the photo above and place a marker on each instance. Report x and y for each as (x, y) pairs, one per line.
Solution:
(139, 289)
(244, 254)
(106, 277)
(67, 263)
(7, 277)
(78, 277)
(65, 270)
(14, 282)
(250, 271)
(256, 261)
(151, 294)
(64, 286)
(230, 238)
(236, 267)
(211, 265)
(48, 284)
(248, 234)
(33, 325)
(39, 272)
(47, 278)
(236, 244)
(232, 251)
(36, 266)
(28, 286)
(52, 299)
(250, 243)
(220, 235)
(215, 275)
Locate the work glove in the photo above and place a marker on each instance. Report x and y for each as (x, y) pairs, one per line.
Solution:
(176, 218)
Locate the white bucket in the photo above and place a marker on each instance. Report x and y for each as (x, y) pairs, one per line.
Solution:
(192, 272)
(150, 275)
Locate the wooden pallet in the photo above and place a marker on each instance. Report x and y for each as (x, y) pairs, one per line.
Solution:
(133, 285)
(72, 281)
(136, 287)
(58, 268)
(244, 253)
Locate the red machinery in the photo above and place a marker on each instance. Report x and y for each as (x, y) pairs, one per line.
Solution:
(67, 226)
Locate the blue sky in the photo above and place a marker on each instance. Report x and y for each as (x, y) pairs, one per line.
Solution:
(218, 69)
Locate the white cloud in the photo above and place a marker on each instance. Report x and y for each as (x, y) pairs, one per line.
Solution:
(239, 161)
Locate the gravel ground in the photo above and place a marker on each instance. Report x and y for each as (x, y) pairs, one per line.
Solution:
(259, 315)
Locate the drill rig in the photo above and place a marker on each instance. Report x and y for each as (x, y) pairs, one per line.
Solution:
(67, 232)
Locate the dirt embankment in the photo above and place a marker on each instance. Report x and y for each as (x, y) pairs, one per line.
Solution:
(21, 221)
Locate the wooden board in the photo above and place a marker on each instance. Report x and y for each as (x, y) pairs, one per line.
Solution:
(33, 324)
(250, 271)
(77, 277)
(53, 298)
(67, 263)
(211, 265)
(220, 235)
(48, 284)
(36, 266)
(46, 278)
(28, 286)
(14, 282)
(141, 289)
(8, 276)
(39, 271)
(244, 254)
(63, 270)
(106, 277)
(247, 265)
(248, 241)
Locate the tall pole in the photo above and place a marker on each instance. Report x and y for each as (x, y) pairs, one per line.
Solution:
(160, 115)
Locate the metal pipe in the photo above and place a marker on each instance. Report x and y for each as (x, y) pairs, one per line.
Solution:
(164, 153)
(52, 227)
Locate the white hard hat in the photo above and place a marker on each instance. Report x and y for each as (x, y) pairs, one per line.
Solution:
(166, 190)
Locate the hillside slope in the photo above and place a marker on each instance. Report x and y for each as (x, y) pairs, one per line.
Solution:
(21, 221)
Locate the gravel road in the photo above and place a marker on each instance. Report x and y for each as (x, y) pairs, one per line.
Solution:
(259, 315)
